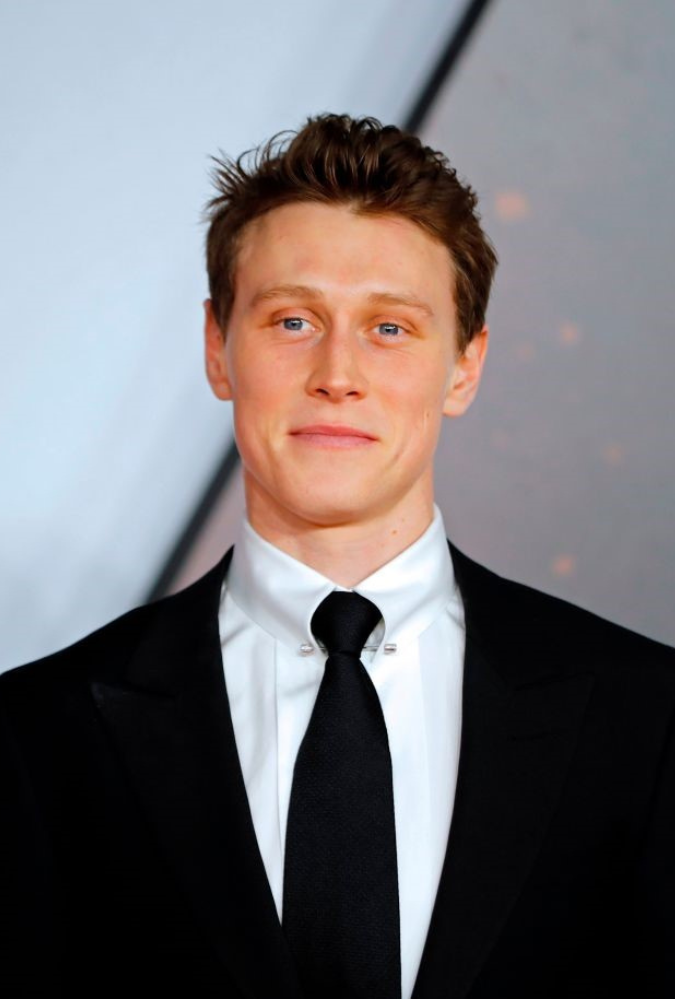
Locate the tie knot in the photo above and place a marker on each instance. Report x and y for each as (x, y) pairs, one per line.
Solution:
(343, 621)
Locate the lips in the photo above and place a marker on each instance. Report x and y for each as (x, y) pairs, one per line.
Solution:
(332, 430)
(333, 435)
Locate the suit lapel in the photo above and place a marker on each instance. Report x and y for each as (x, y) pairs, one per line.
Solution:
(171, 721)
(517, 743)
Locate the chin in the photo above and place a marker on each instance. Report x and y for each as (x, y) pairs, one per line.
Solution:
(331, 510)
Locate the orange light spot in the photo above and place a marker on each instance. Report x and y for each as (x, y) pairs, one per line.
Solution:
(512, 206)
(570, 333)
(524, 351)
(564, 565)
(614, 454)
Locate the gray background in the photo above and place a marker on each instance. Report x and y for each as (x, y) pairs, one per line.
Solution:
(563, 472)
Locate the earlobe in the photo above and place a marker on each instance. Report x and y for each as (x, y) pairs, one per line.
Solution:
(214, 354)
(466, 375)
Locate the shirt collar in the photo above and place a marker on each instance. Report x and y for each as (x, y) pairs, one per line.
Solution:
(280, 594)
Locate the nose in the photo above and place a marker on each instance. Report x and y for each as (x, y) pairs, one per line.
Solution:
(337, 372)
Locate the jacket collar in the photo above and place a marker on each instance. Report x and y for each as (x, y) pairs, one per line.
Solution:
(516, 649)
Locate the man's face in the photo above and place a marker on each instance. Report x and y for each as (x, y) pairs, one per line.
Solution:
(340, 357)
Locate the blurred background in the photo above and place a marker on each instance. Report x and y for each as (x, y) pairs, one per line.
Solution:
(120, 481)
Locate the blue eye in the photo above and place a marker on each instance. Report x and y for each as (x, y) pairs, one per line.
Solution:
(389, 329)
(293, 323)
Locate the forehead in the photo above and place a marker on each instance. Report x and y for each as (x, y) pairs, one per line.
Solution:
(343, 251)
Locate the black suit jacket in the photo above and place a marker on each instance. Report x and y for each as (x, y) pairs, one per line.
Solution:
(130, 863)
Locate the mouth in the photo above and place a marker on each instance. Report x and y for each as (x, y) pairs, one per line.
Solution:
(333, 436)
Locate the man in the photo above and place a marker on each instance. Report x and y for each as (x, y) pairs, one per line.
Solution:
(348, 761)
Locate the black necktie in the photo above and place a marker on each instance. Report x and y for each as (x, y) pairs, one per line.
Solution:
(340, 906)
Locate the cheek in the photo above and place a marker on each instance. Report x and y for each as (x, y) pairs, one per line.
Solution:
(261, 406)
(417, 435)
(419, 400)
(256, 384)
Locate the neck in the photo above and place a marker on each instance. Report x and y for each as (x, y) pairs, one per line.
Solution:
(345, 551)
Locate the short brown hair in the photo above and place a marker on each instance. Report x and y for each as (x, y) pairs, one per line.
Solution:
(377, 169)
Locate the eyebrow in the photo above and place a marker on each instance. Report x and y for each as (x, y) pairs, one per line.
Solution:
(374, 297)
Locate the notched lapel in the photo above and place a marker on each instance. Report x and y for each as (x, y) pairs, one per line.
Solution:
(175, 735)
(516, 747)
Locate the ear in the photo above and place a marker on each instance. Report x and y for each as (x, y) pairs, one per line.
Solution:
(466, 375)
(214, 354)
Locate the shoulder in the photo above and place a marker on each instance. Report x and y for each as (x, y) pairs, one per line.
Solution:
(103, 654)
(107, 647)
(543, 628)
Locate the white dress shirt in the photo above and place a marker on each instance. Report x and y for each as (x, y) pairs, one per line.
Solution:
(273, 669)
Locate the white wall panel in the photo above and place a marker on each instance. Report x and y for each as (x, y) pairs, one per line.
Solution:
(109, 112)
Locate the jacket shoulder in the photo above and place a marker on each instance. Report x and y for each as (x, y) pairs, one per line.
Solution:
(113, 641)
(104, 653)
(545, 625)
(597, 632)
